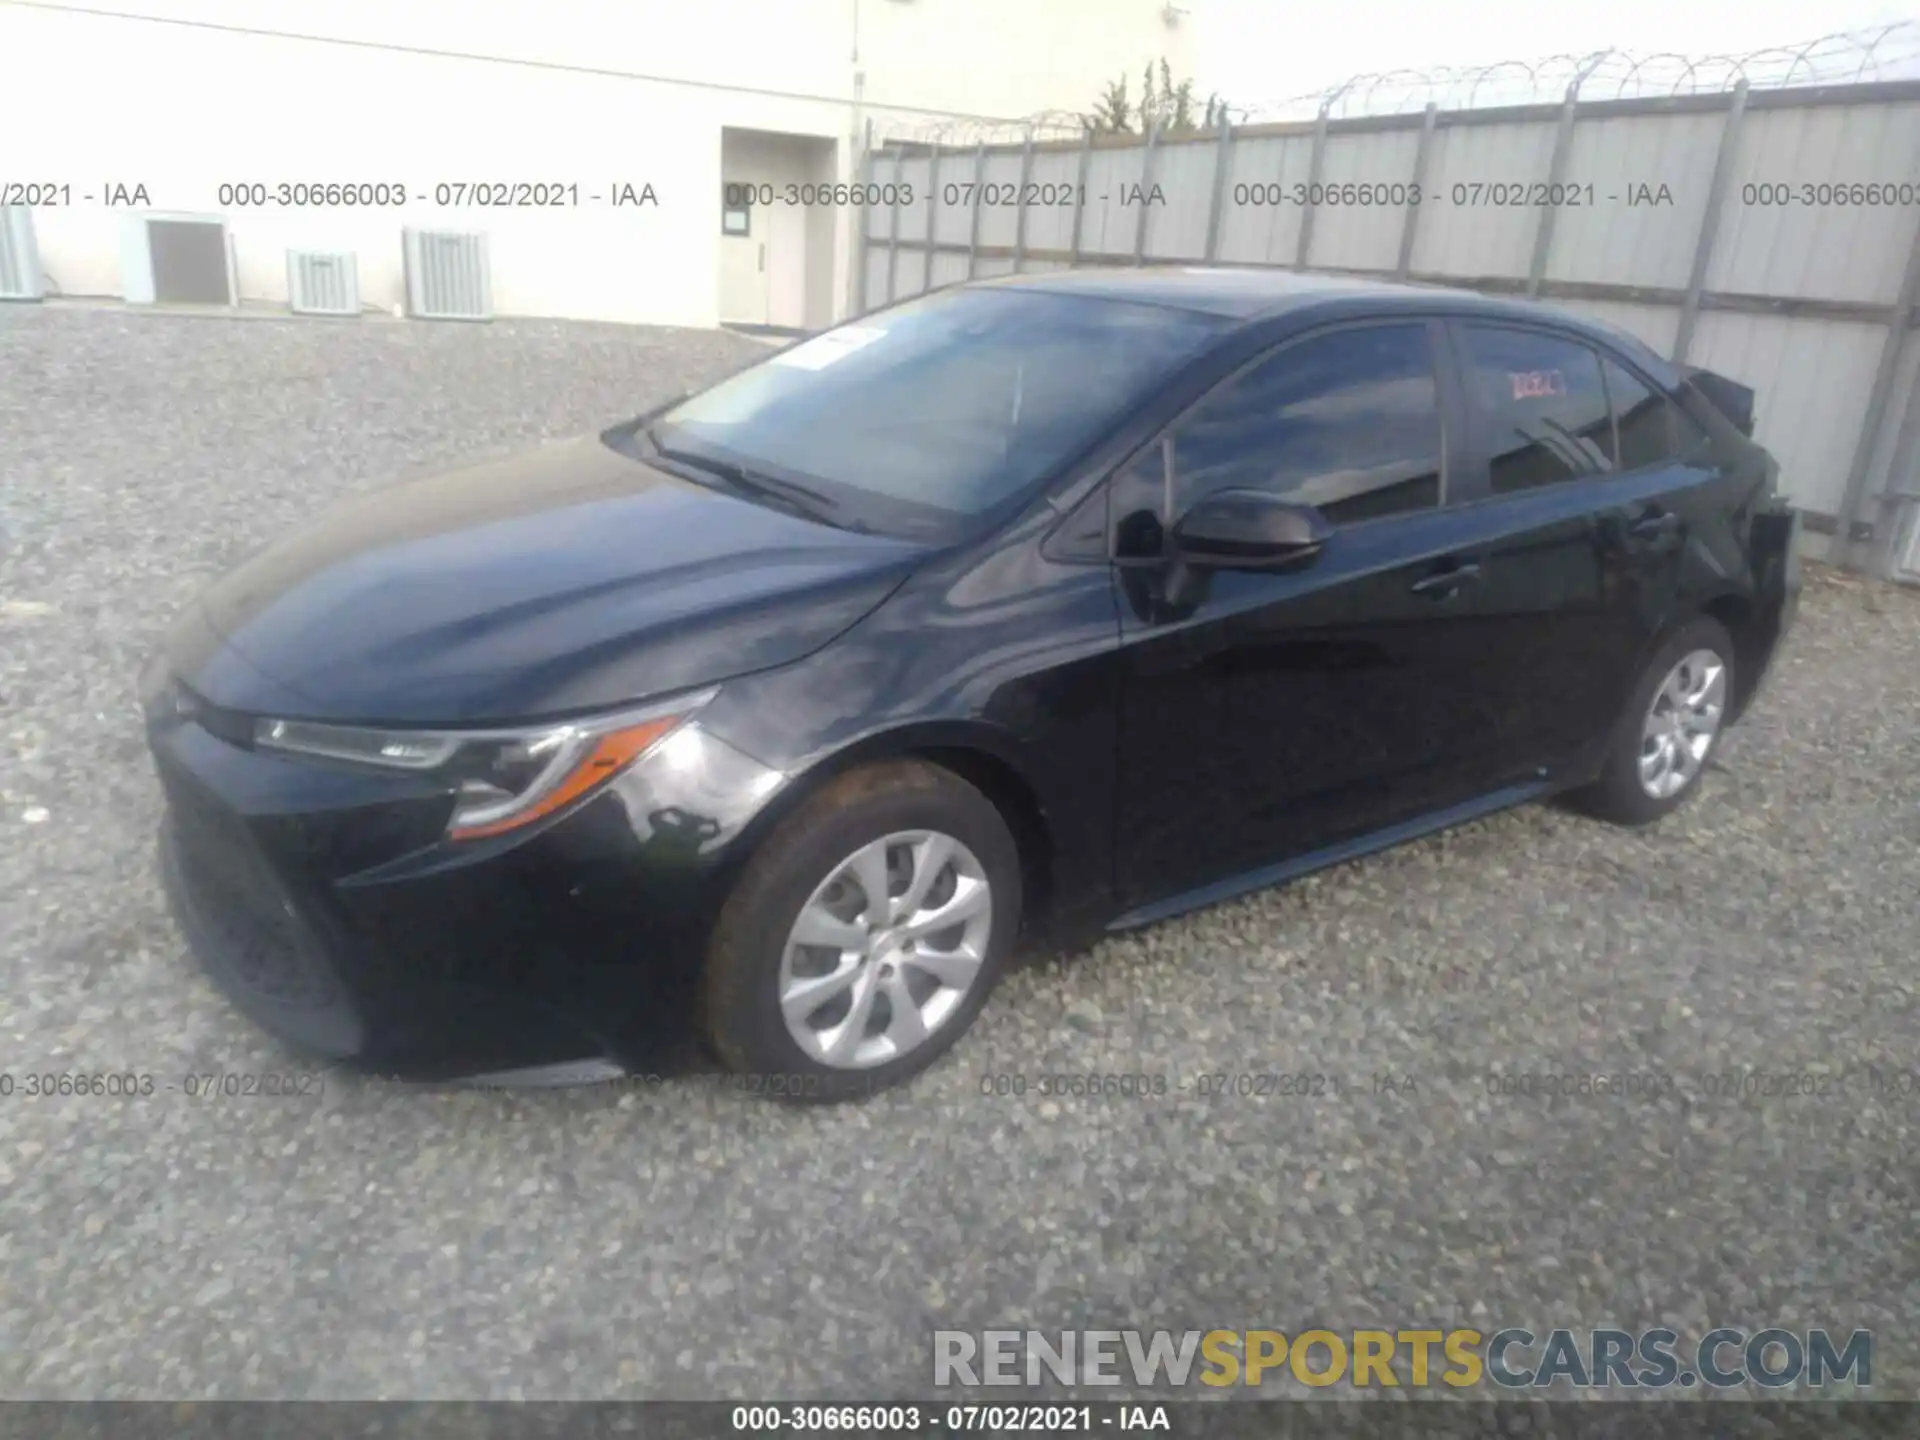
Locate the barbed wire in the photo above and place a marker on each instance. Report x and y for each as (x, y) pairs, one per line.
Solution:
(1883, 52)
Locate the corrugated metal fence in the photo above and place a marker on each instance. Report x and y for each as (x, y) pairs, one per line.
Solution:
(1771, 235)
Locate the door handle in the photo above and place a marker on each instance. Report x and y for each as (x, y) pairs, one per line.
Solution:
(1653, 525)
(1446, 582)
(763, 256)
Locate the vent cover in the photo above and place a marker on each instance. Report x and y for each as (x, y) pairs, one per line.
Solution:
(319, 283)
(19, 257)
(176, 260)
(447, 277)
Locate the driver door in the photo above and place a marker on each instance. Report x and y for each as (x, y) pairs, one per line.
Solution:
(1267, 715)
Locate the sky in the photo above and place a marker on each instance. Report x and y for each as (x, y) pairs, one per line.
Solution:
(1254, 51)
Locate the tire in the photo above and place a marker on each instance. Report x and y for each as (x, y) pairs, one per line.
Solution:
(750, 962)
(1619, 794)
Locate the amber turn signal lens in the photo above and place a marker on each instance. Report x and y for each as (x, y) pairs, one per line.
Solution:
(608, 755)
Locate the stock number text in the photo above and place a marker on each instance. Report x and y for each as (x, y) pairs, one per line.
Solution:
(742, 194)
(1357, 193)
(1821, 194)
(302, 194)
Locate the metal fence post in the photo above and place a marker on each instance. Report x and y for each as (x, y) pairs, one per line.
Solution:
(1020, 202)
(893, 223)
(1556, 177)
(1146, 184)
(1410, 222)
(933, 214)
(973, 224)
(1899, 324)
(1316, 167)
(1723, 163)
(1222, 163)
(1896, 500)
(857, 286)
(1080, 196)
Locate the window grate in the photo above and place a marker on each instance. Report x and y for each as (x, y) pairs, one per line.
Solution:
(319, 283)
(447, 275)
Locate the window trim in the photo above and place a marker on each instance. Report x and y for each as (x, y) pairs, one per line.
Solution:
(1446, 399)
(1613, 410)
(1673, 406)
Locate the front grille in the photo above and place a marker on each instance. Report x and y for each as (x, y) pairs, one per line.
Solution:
(245, 921)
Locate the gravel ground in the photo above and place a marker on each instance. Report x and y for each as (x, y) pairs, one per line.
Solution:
(683, 1241)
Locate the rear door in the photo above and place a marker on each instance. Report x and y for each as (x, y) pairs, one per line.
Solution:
(1659, 497)
(1581, 491)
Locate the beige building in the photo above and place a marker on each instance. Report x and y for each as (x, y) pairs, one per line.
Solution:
(591, 145)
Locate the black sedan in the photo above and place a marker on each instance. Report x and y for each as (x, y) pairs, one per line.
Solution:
(1034, 608)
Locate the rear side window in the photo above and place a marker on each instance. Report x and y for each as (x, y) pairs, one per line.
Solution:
(1347, 422)
(1543, 406)
(1652, 428)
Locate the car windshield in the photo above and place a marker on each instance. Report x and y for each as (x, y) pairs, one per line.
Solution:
(920, 420)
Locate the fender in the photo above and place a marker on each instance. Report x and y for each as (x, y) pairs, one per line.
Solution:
(1068, 857)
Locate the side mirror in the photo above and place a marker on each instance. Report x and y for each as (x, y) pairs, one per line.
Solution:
(1249, 530)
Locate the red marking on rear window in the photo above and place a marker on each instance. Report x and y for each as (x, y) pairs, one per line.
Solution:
(1537, 384)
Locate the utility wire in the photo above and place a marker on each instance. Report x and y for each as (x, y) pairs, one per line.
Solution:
(392, 47)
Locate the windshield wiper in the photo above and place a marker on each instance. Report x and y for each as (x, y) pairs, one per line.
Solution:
(1589, 451)
(801, 498)
(1560, 442)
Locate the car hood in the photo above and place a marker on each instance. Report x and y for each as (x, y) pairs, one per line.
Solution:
(567, 578)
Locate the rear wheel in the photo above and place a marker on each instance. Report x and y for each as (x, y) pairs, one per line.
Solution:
(864, 936)
(1669, 730)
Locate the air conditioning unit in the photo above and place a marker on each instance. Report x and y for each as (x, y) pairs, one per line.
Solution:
(19, 256)
(447, 275)
(320, 283)
(170, 259)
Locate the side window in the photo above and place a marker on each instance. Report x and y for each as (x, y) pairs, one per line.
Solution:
(1652, 428)
(1348, 422)
(1543, 405)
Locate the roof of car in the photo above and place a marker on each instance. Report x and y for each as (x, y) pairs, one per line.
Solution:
(1249, 294)
(1243, 293)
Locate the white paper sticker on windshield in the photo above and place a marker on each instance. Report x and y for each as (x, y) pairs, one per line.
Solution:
(823, 350)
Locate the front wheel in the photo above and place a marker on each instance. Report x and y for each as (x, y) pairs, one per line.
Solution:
(864, 936)
(1671, 725)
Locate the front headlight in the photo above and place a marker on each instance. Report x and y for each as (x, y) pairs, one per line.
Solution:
(501, 779)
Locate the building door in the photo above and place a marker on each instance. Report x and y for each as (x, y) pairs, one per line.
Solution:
(744, 287)
(777, 234)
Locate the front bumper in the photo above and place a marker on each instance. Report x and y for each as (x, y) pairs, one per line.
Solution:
(323, 902)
